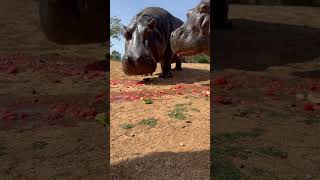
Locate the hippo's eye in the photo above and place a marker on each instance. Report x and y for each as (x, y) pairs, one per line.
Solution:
(127, 35)
(147, 43)
(203, 8)
(146, 34)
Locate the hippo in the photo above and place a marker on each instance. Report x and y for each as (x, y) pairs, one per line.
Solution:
(193, 37)
(147, 42)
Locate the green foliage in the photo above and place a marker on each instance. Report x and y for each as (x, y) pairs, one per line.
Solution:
(126, 126)
(235, 136)
(148, 101)
(151, 122)
(179, 112)
(116, 55)
(197, 59)
(115, 27)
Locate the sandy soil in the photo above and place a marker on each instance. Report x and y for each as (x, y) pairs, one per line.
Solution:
(177, 146)
(264, 125)
(48, 99)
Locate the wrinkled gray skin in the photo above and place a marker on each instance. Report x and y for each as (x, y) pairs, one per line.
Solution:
(147, 42)
(193, 37)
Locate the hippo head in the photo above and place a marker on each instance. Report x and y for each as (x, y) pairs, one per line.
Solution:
(142, 46)
(193, 37)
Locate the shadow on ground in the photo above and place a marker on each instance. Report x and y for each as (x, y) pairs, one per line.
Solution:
(186, 76)
(164, 165)
(255, 45)
(308, 74)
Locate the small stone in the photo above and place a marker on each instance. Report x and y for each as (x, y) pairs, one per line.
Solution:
(181, 144)
(12, 70)
(188, 121)
(308, 176)
(314, 98)
(300, 96)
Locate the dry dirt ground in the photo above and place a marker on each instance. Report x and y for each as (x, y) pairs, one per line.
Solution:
(48, 100)
(266, 120)
(160, 128)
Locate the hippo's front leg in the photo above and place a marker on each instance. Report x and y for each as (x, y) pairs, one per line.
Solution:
(166, 64)
(176, 59)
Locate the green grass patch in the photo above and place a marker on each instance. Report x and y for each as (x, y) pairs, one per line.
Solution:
(151, 122)
(197, 59)
(39, 145)
(312, 120)
(272, 151)
(126, 126)
(179, 112)
(231, 137)
(148, 101)
(3, 150)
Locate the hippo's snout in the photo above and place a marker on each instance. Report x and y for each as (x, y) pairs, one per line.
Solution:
(140, 66)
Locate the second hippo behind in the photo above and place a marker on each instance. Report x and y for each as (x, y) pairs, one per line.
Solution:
(193, 37)
(147, 42)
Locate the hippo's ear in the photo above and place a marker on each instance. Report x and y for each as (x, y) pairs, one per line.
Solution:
(189, 12)
(152, 24)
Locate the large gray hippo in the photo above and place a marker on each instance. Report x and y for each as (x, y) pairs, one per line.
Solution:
(147, 42)
(193, 37)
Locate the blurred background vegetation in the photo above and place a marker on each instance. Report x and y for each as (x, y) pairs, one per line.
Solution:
(197, 59)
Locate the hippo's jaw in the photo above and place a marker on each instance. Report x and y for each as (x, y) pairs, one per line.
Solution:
(187, 43)
(139, 67)
(193, 37)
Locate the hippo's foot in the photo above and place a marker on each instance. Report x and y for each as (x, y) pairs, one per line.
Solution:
(178, 68)
(166, 74)
(150, 74)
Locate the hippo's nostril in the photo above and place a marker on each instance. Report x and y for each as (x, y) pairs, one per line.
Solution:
(128, 59)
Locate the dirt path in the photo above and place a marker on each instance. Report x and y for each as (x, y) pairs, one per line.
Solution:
(267, 127)
(160, 127)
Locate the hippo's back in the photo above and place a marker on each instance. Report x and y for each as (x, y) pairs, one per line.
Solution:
(163, 17)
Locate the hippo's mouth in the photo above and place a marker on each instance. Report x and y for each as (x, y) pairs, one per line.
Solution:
(144, 67)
